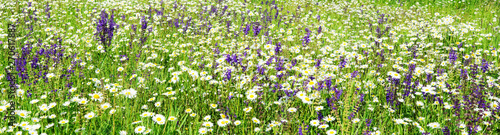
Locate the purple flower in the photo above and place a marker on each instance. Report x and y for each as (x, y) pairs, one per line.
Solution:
(144, 23)
(256, 29)
(318, 63)
(354, 74)
(485, 65)
(105, 29)
(277, 48)
(228, 75)
(47, 9)
(368, 122)
(246, 29)
(306, 40)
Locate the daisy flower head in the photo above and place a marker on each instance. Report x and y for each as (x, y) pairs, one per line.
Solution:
(223, 122)
(146, 114)
(207, 117)
(237, 122)
(22, 113)
(129, 93)
(314, 123)
(112, 111)
(434, 125)
(329, 118)
(213, 105)
(96, 96)
(120, 69)
(64, 121)
(251, 96)
(207, 124)
(355, 120)
(105, 106)
(157, 104)
(248, 109)
(255, 120)
(301, 94)
(331, 132)
(323, 126)
(203, 130)
(136, 122)
(172, 118)
(160, 119)
(140, 129)
(189, 110)
(90, 115)
(428, 89)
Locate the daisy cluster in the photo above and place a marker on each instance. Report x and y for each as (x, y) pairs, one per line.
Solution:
(252, 67)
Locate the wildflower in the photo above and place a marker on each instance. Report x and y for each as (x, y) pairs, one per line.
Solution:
(172, 118)
(251, 96)
(129, 93)
(50, 75)
(146, 114)
(331, 132)
(223, 122)
(202, 130)
(292, 110)
(189, 110)
(256, 129)
(434, 125)
(96, 96)
(160, 119)
(237, 122)
(318, 108)
(255, 120)
(429, 90)
(90, 115)
(329, 118)
(301, 94)
(213, 105)
(112, 111)
(123, 132)
(314, 123)
(420, 103)
(139, 129)
(82, 101)
(323, 126)
(248, 109)
(22, 113)
(206, 117)
(355, 120)
(105, 106)
(64, 121)
(120, 69)
(207, 124)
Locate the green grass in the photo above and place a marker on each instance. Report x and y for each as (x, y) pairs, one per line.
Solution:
(168, 51)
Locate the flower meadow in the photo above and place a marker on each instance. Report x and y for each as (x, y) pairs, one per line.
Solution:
(250, 67)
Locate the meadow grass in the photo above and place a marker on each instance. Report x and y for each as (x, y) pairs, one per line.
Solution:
(252, 67)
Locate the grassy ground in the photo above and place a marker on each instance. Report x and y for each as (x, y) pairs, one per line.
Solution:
(256, 67)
